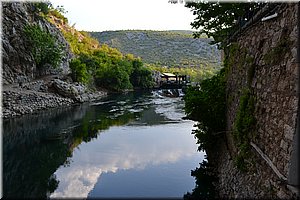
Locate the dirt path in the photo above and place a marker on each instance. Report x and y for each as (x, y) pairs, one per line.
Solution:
(16, 87)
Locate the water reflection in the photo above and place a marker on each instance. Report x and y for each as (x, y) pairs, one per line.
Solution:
(66, 152)
(29, 160)
(123, 148)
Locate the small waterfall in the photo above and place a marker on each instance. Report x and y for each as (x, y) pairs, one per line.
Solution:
(180, 93)
(170, 93)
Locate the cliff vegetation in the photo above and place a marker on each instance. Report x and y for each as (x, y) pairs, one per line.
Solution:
(98, 64)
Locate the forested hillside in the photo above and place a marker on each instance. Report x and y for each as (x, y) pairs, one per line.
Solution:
(164, 48)
(98, 64)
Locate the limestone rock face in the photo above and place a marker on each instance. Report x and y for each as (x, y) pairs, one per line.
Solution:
(75, 91)
(68, 90)
(26, 88)
(18, 61)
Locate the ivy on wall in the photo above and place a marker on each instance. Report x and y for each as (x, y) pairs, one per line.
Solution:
(244, 122)
(243, 126)
(275, 55)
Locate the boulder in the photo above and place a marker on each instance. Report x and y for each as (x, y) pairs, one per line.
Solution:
(73, 91)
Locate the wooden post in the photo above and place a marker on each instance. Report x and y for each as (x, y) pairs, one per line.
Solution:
(269, 162)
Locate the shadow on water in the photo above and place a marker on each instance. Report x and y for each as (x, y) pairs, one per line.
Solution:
(205, 178)
(35, 146)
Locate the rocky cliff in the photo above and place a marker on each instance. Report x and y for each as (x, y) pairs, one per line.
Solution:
(27, 87)
(18, 62)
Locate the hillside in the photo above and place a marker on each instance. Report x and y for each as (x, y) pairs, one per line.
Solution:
(166, 48)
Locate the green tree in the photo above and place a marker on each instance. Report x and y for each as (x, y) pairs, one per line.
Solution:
(113, 77)
(217, 19)
(79, 71)
(207, 105)
(141, 76)
(42, 7)
(43, 46)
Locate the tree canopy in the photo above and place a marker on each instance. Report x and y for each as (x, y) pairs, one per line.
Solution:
(219, 20)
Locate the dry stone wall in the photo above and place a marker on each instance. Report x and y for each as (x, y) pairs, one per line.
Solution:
(263, 59)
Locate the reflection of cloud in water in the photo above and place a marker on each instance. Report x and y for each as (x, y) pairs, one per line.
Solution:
(77, 182)
(124, 148)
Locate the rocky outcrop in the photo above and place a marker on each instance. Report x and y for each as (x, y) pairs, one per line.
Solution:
(68, 90)
(19, 102)
(18, 62)
(44, 94)
(27, 89)
(76, 91)
(156, 75)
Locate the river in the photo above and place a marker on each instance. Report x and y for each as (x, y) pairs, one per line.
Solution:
(126, 145)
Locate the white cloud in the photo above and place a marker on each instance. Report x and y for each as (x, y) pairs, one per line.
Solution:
(115, 150)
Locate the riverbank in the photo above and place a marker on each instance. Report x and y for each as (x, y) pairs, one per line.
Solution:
(42, 94)
(70, 140)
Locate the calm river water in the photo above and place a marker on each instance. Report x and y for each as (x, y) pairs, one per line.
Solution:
(129, 145)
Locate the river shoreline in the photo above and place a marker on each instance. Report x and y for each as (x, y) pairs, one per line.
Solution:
(39, 95)
(52, 92)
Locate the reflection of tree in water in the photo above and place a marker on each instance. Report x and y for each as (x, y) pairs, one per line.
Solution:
(27, 169)
(35, 146)
(52, 184)
(205, 179)
(28, 159)
(94, 122)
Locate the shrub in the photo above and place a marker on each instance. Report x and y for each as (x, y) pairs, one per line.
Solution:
(79, 71)
(141, 76)
(243, 125)
(59, 15)
(42, 7)
(207, 105)
(43, 46)
(244, 120)
(113, 77)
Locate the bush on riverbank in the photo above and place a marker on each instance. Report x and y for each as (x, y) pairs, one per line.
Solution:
(108, 68)
(207, 105)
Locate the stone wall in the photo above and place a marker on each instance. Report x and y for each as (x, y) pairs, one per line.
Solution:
(263, 59)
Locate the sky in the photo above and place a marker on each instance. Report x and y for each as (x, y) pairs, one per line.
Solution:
(104, 15)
